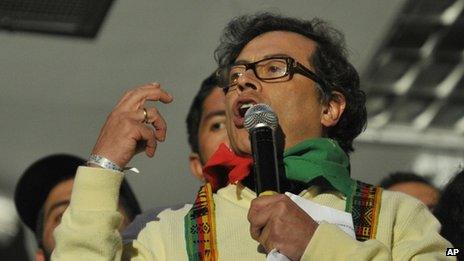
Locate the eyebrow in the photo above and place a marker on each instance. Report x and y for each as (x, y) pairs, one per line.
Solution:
(57, 205)
(211, 114)
(239, 62)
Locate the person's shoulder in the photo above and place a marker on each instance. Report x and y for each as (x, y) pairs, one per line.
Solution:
(401, 205)
(398, 197)
(142, 220)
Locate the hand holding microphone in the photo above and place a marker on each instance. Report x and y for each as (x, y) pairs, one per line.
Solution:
(276, 222)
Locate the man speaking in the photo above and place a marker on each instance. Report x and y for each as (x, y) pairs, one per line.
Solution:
(299, 69)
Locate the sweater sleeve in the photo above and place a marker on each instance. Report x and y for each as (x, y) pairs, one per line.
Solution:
(416, 233)
(331, 243)
(415, 237)
(89, 227)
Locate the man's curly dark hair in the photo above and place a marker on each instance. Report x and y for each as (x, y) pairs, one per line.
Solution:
(329, 61)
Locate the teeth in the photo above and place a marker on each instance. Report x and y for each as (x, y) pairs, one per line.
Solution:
(246, 106)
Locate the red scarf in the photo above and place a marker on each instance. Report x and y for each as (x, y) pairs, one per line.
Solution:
(226, 167)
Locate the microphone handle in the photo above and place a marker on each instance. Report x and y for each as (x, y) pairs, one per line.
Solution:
(266, 168)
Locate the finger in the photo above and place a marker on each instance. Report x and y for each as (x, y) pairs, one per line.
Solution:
(263, 201)
(154, 118)
(137, 97)
(147, 135)
(139, 115)
(258, 224)
(131, 92)
(267, 200)
(263, 209)
(150, 151)
(159, 123)
(258, 221)
(265, 240)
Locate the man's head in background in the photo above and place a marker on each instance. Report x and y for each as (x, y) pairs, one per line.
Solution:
(206, 124)
(43, 193)
(413, 185)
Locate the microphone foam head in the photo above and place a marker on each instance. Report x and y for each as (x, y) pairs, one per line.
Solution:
(258, 115)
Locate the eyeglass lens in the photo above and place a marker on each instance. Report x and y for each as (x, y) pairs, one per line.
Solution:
(264, 70)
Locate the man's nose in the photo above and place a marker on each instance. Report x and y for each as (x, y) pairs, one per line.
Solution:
(248, 81)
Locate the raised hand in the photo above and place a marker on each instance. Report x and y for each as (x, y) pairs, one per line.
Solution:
(131, 128)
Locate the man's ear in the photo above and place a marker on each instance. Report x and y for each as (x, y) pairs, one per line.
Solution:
(39, 255)
(333, 110)
(196, 168)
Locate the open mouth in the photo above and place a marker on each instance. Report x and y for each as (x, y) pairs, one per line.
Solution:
(240, 108)
(244, 108)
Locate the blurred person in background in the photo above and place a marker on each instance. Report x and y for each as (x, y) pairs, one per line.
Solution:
(450, 212)
(44, 191)
(12, 239)
(414, 185)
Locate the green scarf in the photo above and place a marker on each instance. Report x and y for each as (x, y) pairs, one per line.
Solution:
(320, 157)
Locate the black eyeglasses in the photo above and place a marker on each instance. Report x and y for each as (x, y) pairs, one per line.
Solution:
(272, 69)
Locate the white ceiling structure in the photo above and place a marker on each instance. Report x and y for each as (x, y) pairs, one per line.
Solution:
(415, 81)
(55, 92)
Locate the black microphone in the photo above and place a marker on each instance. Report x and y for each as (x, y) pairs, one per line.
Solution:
(261, 123)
